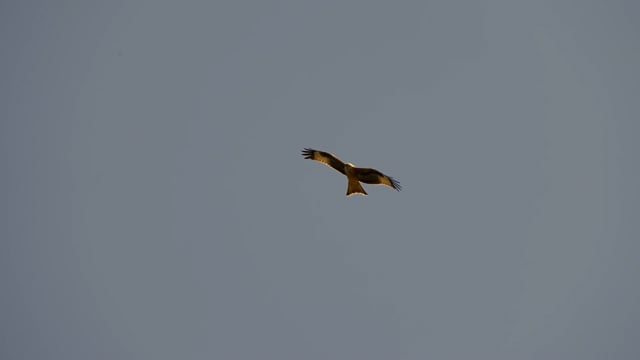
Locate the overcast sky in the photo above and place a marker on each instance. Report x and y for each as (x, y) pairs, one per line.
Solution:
(155, 204)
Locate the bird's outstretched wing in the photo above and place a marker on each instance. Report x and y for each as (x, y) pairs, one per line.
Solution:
(325, 158)
(375, 177)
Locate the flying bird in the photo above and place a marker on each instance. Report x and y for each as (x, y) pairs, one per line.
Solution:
(354, 174)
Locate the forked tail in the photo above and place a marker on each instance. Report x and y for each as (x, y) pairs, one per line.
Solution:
(354, 187)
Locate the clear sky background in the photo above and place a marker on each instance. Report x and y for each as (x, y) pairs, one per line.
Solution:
(155, 204)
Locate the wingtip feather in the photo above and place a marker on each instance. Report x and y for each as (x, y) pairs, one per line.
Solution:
(395, 183)
(308, 153)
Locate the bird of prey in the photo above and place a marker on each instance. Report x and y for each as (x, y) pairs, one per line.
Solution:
(354, 174)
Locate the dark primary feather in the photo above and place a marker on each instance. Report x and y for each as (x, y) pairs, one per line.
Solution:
(325, 158)
(395, 183)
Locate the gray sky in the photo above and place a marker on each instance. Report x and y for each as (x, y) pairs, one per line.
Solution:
(156, 206)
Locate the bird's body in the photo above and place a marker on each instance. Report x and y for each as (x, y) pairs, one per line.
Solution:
(354, 175)
(353, 184)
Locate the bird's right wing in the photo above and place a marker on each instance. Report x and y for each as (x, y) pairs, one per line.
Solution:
(375, 177)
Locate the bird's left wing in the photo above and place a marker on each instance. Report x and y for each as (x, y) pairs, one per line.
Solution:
(325, 158)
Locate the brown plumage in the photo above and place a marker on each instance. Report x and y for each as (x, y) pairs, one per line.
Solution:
(354, 175)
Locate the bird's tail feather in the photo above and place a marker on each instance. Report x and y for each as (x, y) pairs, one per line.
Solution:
(354, 187)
